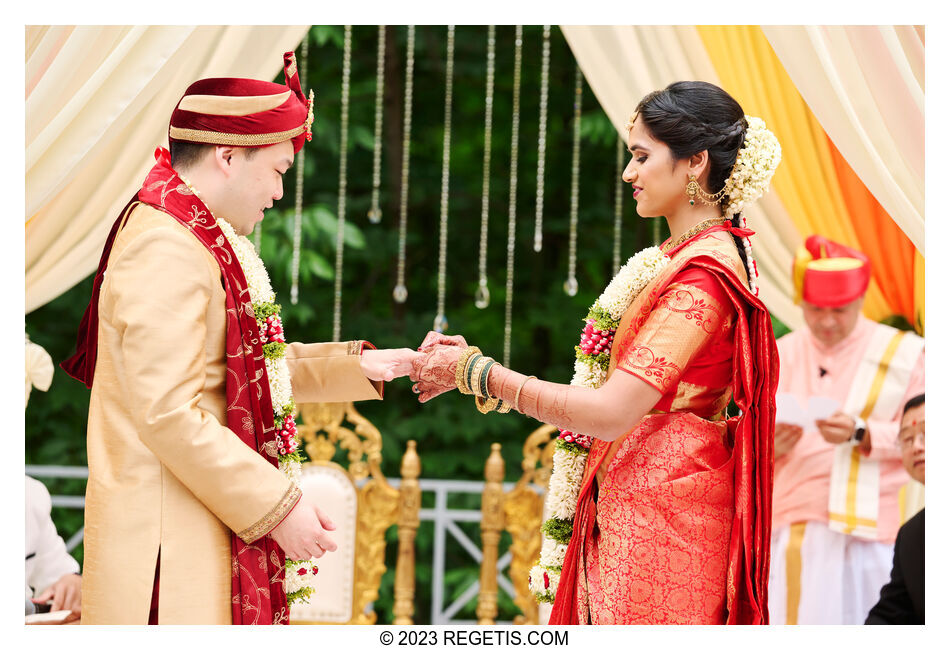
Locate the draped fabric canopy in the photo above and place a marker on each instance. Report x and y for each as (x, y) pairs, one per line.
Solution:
(815, 190)
(620, 68)
(866, 88)
(97, 105)
(845, 102)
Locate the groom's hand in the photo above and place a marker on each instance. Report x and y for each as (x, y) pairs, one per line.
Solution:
(303, 532)
(386, 365)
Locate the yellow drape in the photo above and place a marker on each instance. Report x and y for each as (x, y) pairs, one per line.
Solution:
(806, 179)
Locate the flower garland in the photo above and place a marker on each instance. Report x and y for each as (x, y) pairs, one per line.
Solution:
(571, 449)
(755, 165)
(298, 576)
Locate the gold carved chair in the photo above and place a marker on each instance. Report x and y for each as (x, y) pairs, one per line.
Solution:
(521, 513)
(363, 505)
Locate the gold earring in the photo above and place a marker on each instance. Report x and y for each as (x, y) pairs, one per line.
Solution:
(693, 190)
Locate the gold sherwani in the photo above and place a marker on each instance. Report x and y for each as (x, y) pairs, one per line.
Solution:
(165, 473)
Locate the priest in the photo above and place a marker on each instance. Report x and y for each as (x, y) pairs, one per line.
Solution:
(190, 511)
(835, 510)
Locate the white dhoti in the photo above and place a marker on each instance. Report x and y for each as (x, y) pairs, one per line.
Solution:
(819, 576)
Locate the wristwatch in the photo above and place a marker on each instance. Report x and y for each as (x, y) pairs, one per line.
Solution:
(860, 430)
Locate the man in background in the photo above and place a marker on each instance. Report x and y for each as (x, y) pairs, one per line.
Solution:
(902, 599)
(51, 572)
(835, 511)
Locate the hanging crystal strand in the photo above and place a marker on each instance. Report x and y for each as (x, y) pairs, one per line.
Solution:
(257, 238)
(513, 192)
(618, 205)
(375, 215)
(298, 189)
(400, 293)
(482, 296)
(570, 285)
(440, 324)
(542, 137)
(341, 197)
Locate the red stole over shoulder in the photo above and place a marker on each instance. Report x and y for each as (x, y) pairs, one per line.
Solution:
(257, 592)
(755, 379)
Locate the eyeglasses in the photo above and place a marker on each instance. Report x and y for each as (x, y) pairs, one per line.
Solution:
(906, 441)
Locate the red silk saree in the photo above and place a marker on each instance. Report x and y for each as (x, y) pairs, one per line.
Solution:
(673, 518)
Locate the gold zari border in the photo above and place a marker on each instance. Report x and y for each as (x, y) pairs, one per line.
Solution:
(234, 139)
(271, 519)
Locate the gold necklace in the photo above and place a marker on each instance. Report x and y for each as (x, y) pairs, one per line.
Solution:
(695, 230)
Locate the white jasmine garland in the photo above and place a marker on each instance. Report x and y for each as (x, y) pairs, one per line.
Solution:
(278, 377)
(590, 370)
(754, 168)
(298, 576)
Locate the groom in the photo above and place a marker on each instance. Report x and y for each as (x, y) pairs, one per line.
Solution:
(188, 517)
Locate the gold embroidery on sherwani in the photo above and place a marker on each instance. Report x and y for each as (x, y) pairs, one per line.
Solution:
(354, 347)
(267, 522)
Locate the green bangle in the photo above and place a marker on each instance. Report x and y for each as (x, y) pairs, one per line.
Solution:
(483, 379)
(468, 370)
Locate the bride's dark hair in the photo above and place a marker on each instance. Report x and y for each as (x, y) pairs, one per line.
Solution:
(690, 116)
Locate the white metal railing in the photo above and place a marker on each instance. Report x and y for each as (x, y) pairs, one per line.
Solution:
(445, 521)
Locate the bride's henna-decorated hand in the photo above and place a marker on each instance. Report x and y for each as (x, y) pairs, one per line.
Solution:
(437, 338)
(434, 372)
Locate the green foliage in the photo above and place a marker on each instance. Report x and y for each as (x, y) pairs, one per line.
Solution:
(558, 529)
(274, 350)
(453, 439)
(263, 310)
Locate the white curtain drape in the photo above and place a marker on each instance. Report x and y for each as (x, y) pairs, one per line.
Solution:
(622, 63)
(865, 85)
(98, 100)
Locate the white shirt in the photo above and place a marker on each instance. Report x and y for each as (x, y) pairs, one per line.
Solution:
(46, 557)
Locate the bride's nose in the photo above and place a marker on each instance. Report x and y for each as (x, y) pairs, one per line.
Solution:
(629, 173)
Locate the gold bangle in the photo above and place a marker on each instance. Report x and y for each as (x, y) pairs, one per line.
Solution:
(463, 360)
(518, 392)
(486, 405)
(504, 407)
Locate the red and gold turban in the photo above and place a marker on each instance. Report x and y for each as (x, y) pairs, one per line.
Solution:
(244, 112)
(829, 274)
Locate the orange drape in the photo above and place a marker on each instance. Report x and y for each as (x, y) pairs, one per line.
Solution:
(891, 252)
(814, 183)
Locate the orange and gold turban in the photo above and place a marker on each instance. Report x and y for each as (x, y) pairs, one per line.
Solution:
(829, 274)
(244, 112)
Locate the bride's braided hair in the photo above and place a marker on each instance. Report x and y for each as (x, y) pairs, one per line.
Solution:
(692, 116)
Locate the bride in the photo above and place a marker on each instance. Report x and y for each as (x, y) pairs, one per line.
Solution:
(660, 498)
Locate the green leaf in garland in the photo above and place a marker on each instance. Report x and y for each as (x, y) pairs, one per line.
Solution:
(264, 309)
(274, 350)
(301, 595)
(558, 529)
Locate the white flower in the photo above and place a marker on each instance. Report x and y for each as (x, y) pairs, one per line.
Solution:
(536, 580)
(552, 553)
(754, 168)
(568, 471)
(258, 282)
(565, 483)
(278, 379)
(630, 281)
(278, 376)
(291, 469)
